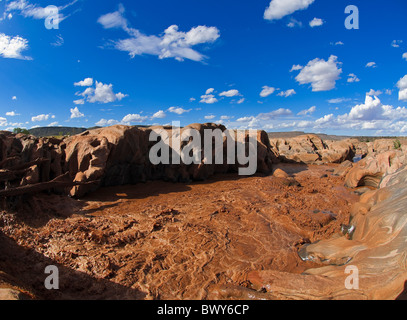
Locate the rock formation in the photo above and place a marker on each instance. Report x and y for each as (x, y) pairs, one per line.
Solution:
(372, 241)
(370, 170)
(110, 156)
(374, 244)
(312, 149)
(368, 260)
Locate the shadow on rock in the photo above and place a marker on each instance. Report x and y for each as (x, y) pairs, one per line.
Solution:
(28, 267)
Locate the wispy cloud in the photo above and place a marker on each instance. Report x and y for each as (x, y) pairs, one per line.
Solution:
(178, 110)
(396, 43)
(171, 44)
(287, 93)
(58, 42)
(29, 10)
(352, 78)
(307, 111)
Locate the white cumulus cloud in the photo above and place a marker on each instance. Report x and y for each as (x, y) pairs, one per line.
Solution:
(75, 113)
(104, 122)
(402, 85)
(316, 22)
(88, 82)
(159, 115)
(321, 74)
(274, 114)
(374, 93)
(178, 110)
(281, 8)
(41, 117)
(11, 114)
(131, 118)
(101, 93)
(267, 91)
(12, 47)
(230, 93)
(209, 97)
(373, 109)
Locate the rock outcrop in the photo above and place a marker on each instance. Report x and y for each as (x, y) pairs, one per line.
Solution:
(370, 170)
(112, 156)
(369, 260)
(311, 149)
(374, 244)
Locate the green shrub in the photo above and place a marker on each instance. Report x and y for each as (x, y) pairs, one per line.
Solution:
(397, 144)
(19, 130)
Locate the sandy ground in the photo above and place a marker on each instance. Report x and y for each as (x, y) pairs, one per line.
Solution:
(171, 241)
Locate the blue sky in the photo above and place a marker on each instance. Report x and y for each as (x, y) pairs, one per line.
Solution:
(278, 65)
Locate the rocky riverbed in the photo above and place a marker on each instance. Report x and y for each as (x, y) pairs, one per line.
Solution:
(194, 232)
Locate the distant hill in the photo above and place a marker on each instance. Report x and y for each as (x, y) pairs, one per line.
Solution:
(323, 136)
(56, 131)
(293, 134)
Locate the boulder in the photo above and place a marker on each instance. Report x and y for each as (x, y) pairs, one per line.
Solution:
(278, 173)
(338, 151)
(343, 168)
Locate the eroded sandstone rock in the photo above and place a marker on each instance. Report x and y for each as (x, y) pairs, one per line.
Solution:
(115, 155)
(370, 170)
(310, 149)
